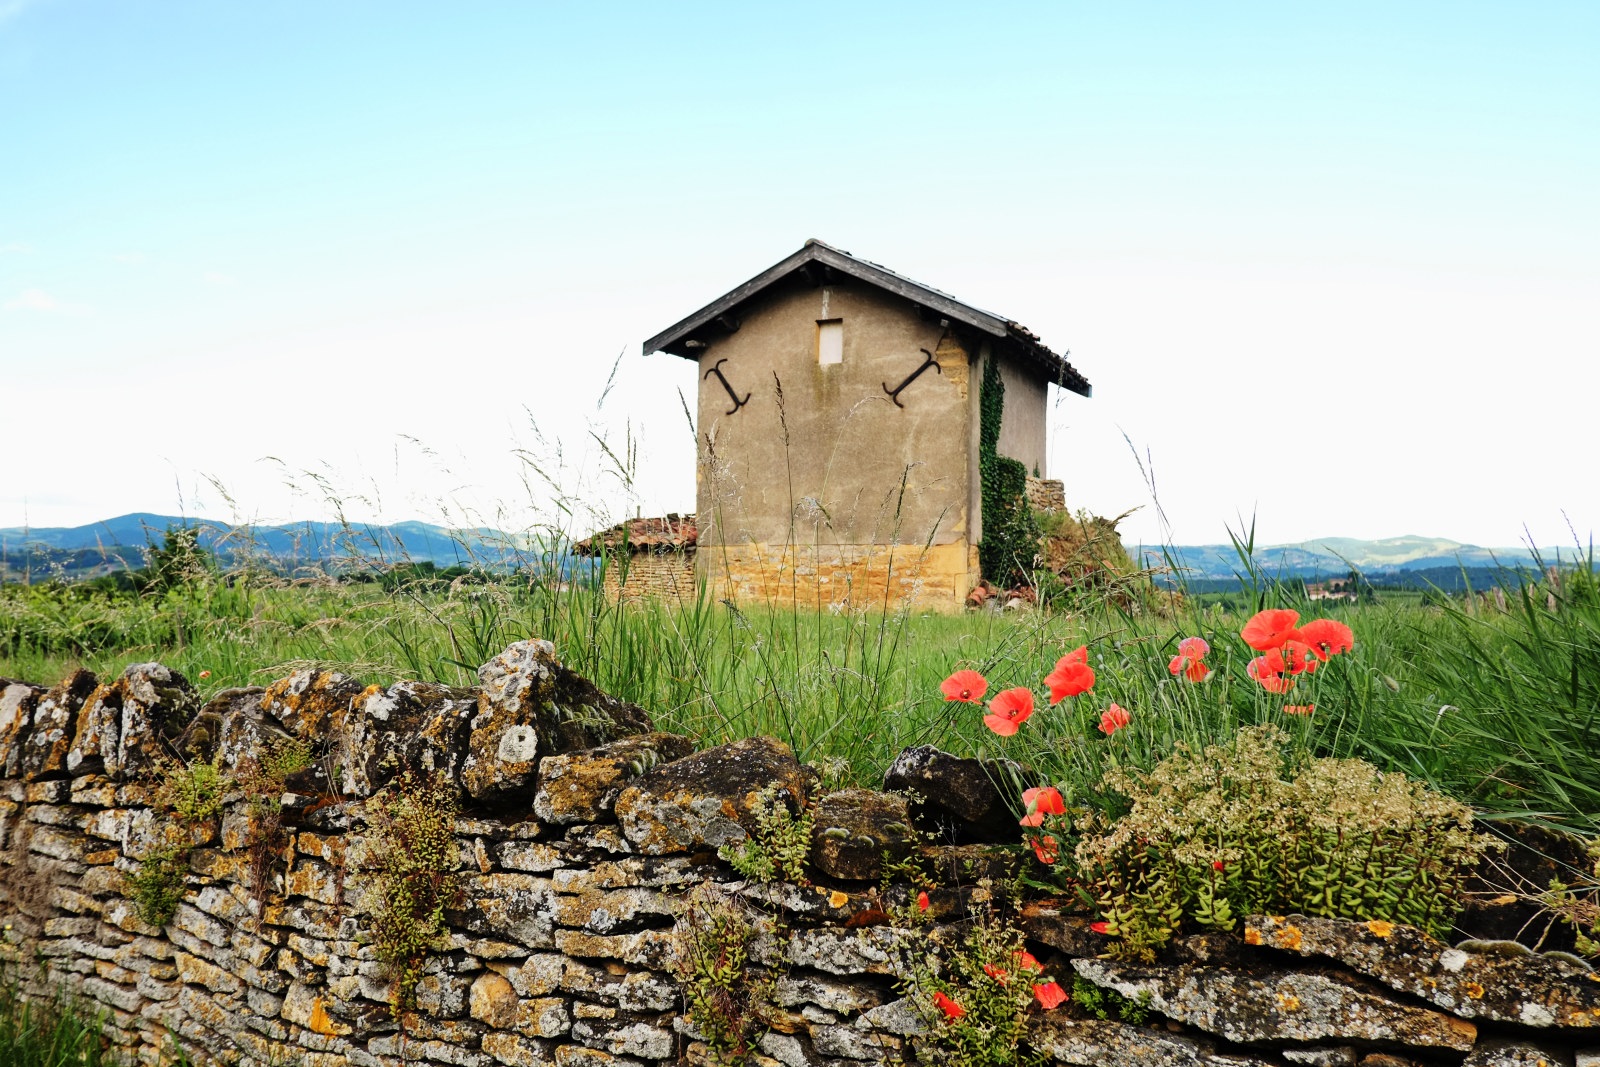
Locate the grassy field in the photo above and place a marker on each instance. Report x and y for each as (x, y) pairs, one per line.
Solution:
(1501, 709)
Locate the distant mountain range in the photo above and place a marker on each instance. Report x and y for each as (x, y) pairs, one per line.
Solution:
(119, 544)
(1407, 561)
(1337, 555)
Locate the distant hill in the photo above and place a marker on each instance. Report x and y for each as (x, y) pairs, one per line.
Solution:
(120, 543)
(1401, 560)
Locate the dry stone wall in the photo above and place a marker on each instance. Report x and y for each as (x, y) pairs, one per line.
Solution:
(660, 575)
(584, 843)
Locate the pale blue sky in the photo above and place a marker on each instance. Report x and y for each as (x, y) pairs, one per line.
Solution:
(1335, 266)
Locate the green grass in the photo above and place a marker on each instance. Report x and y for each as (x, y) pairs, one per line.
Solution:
(57, 1032)
(1501, 709)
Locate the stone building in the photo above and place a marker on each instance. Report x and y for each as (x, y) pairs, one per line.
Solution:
(839, 418)
(651, 557)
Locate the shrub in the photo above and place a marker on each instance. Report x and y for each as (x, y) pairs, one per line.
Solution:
(262, 782)
(1578, 903)
(780, 845)
(976, 1005)
(414, 847)
(727, 990)
(1256, 827)
(195, 793)
(156, 888)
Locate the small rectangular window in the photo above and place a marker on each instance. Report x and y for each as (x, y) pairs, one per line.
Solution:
(830, 341)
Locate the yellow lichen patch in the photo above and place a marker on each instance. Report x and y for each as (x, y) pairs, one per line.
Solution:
(1379, 928)
(1289, 938)
(1252, 936)
(1473, 990)
(320, 1022)
(837, 899)
(1288, 1002)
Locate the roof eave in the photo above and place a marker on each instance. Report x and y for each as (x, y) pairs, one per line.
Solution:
(1057, 369)
(817, 252)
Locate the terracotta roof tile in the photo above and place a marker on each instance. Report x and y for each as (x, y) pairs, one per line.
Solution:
(656, 534)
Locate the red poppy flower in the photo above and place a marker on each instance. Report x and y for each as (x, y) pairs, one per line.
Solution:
(1049, 995)
(1299, 657)
(1026, 962)
(1114, 719)
(922, 901)
(1218, 865)
(951, 1009)
(1327, 637)
(1299, 709)
(1071, 677)
(1077, 655)
(1045, 849)
(1193, 669)
(1045, 800)
(997, 973)
(1009, 709)
(965, 685)
(1101, 927)
(1194, 648)
(1270, 628)
(1268, 671)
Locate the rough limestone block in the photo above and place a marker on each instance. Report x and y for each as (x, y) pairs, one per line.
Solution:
(516, 907)
(543, 1017)
(842, 998)
(1516, 1053)
(311, 704)
(1529, 989)
(1270, 1004)
(414, 726)
(857, 830)
(493, 1001)
(55, 723)
(1101, 1042)
(125, 724)
(1065, 932)
(967, 799)
(156, 704)
(709, 798)
(652, 949)
(530, 706)
(245, 734)
(854, 1043)
(651, 871)
(514, 1050)
(18, 701)
(1334, 1056)
(640, 1040)
(867, 950)
(581, 787)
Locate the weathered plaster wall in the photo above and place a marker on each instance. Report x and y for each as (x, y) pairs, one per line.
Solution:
(841, 443)
(1022, 426)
